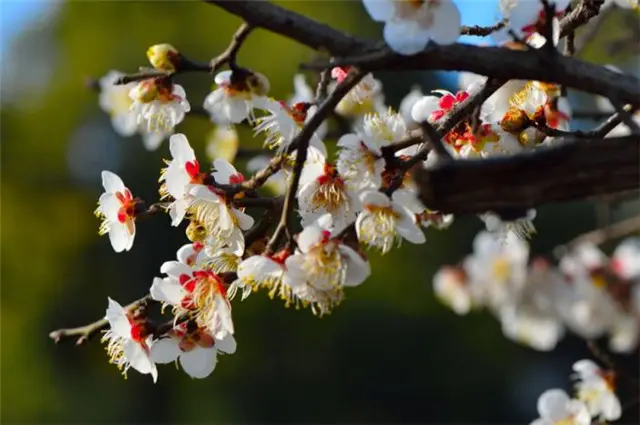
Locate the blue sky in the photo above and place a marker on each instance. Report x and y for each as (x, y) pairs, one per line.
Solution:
(16, 15)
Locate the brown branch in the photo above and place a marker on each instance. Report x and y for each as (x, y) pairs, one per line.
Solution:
(84, 333)
(230, 54)
(600, 236)
(577, 169)
(501, 63)
(480, 31)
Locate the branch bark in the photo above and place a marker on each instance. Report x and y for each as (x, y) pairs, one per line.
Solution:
(497, 62)
(577, 169)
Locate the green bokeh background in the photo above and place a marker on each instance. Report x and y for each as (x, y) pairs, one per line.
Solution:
(390, 353)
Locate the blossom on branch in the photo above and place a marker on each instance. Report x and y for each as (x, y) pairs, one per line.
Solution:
(238, 93)
(117, 208)
(409, 25)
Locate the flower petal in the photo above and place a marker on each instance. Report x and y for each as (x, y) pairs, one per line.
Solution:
(112, 183)
(139, 359)
(199, 362)
(165, 350)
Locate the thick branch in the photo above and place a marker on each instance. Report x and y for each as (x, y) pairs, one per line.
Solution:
(495, 62)
(576, 169)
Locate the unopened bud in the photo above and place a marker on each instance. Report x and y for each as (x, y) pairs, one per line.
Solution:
(514, 121)
(163, 57)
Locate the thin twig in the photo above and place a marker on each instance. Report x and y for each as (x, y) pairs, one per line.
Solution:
(600, 236)
(301, 144)
(230, 54)
(480, 31)
(84, 333)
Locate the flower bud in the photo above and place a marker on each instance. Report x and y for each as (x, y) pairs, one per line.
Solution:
(514, 121)
(163, 57)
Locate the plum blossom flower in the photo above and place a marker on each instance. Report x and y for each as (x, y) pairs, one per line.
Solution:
(595, 387)
(114, 100)
(159, 105)
(196, 349)
(451, 287)
(285, 123)
(499, 226)
(406, 106)
(266, 271)
(526, 17)
(323, 190)
(195, 293)
(384, 222)
(556, 408)
(323, 265)
(538, 331)
(117, 208)
(128, 341)
(409, 25)
(182, 172)
(238, 93)
(497, 269)
(625, 261)
(362, 91)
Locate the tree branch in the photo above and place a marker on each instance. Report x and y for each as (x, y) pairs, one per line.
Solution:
(84, 333)
(577, 169)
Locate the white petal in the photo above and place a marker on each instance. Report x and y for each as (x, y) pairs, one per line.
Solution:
(125, 124)
(405, 37)
(175, 269)
(552, 405)
(446, 23)
(223, 171)
(373, 197)
(119, 237)
(199, 362)
(180, 148)
(423, 108)
(118, 321)
(152, 141)
(223, 313)
(309, 237)
(408, 229)
(223, 77)
(245, 221)
(227, 344)
(165, 351)
(109, 205)
(380, 10)
(139, 359)
(167, 291)
(358, 269)
(611, 409)
(111, 182)
(409, 200)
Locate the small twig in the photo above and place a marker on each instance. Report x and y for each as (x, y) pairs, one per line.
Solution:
(230, 54)
(480, 31)
(323, 85)
(549, 13)
(626, 117)
(435, 142)
(600, 236)
(84, 333)
(258, 202)
(609, 124)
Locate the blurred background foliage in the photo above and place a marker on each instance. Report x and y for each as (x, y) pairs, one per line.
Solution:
(390, 353)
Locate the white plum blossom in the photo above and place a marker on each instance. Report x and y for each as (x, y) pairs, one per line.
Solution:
(114, 100)
(182, 172)
(406, 106)
(128, 342)
(268, 272)
(595, 387)
(195, 293)
(526, 17)
(117, 208)
(625, 261)
(238, 93)
(158, 106)
(360, 162)
(323, 265)
(363, 91)
(499, 226)
(538, 331)
(409, 25)
(196, 350)
(285, 122)
(323, 190)
(451, 287)
(384, 222)
(556, 408)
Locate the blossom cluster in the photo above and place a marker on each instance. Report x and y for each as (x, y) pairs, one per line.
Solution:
(587, 293)
(362, 197)
(595, 398)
